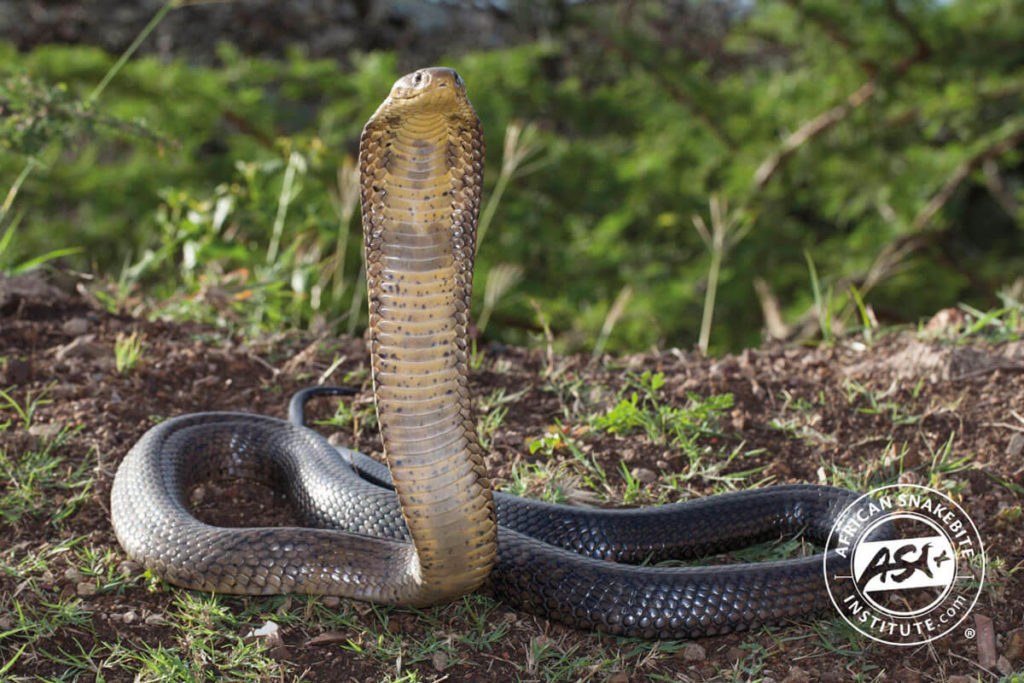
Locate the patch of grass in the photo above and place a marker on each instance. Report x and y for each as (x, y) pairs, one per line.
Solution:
(127, 351)
(662, 422)
(881, 403)
(40, 483)
(491, 412)
(27, 409)
(355, 416)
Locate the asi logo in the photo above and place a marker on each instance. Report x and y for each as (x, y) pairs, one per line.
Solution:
(912, 564)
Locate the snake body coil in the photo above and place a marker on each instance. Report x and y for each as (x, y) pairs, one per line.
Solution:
(434, 536)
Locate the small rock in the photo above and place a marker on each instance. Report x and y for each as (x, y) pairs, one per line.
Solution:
(946, 319)
(73, 575)
(735, 654)
(128, 568)
(330, 601)
(796, 675)
(961, 679)
(986, 640)
(156, 620)
(129, 617)
(644, 475)
(86, 589)
(46, 432)
(327, 637)
(6, 622)
(694, 653)
(279, 652)
(1014, 648)
(1016, 446)
(270, 633)
(439, 660)
(75, 327)
(619, 677)
(1003, 666)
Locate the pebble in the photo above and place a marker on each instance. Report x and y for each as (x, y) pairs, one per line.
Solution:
(330, 601)
(796, 675)
(86, 588)
(128, 568)
(130, 617)
(619, 677)
(1014, 641)
(439, 660)
(986, 641)
(694, 653)
(46, 431)
(75, 327)
(1003, 666)
(1016, 445)
(644, 475)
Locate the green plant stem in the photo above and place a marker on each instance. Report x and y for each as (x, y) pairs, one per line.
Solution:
(16, 187)
(492, 206)
(709, 298)
(127, 54)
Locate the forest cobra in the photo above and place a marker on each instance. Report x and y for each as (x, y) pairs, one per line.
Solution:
(431, 529)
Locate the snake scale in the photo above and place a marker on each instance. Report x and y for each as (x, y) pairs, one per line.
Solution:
(430, 529)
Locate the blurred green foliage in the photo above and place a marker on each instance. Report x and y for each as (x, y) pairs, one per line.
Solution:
(883, 139)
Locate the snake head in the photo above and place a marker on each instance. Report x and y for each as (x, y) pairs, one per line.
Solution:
(435, 88)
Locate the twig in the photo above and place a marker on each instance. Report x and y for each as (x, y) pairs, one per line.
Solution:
(548, 337)
(826, 120)
(810, 130)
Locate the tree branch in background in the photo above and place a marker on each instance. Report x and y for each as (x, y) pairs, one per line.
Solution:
(824, 121)
(997, 149)
(924, 50)
(671, 88)
(810, 130)
(997, 188)
(835, 35)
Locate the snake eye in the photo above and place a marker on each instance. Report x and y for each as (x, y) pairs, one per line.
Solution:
(417, 79)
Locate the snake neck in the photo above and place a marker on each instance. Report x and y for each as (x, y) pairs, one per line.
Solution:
(420, 195)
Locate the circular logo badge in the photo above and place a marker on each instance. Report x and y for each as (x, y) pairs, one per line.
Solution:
(904, 564)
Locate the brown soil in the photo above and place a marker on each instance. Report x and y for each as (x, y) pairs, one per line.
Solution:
(932, 390)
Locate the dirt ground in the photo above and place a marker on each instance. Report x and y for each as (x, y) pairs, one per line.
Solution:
(799, 412)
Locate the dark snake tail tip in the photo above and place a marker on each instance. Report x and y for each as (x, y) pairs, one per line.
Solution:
(297, 403)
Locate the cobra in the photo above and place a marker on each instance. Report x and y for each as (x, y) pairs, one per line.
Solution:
(428, 528)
